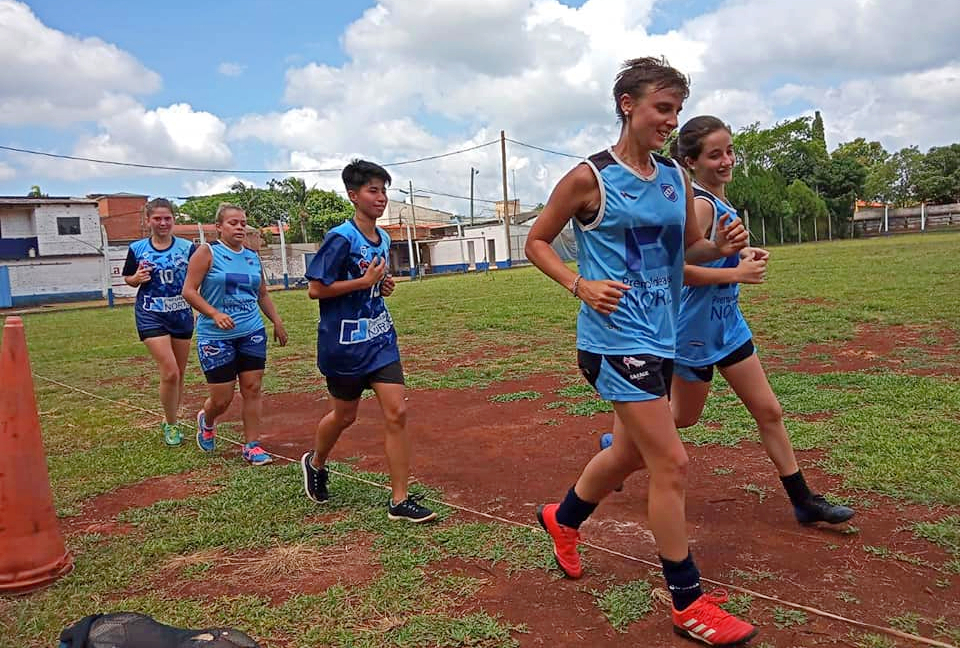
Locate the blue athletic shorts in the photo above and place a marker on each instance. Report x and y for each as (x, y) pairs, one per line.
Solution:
(176, 324)
(619, 378)
(223, 360)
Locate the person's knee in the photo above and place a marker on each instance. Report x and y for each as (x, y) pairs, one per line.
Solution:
(769, 413)
(169, 373)
(344, 418)
(396, 416)
(686, 419)
(672, 469)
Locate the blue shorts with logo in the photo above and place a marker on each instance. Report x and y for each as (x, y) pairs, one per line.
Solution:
(176, 324)
(223, 360)
(618, 378)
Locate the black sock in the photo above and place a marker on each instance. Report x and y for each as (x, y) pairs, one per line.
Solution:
(797, 489)
(573, 511)
(683, 581)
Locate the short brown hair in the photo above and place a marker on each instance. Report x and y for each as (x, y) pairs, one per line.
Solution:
(225, 207)
(637, 75)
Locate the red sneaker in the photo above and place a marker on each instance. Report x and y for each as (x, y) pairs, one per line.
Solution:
(565, 540)
(705, 621)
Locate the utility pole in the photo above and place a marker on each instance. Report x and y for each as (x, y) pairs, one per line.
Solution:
(473, 172)
(413, 217)
(506, 212)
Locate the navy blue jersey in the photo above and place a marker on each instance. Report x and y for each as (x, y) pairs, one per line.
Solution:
(635, 238)
(355, 334)
(161, 299)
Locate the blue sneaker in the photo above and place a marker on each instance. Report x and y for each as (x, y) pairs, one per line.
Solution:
(606, 440)
(255, 455)
(172, 434)
(206, 435)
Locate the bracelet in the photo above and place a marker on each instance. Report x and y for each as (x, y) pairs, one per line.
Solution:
(576, 286)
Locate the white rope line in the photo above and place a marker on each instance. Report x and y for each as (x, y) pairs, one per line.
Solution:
(465, 509)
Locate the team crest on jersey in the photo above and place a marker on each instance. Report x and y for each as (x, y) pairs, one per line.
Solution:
(669, 192)
(364, 250)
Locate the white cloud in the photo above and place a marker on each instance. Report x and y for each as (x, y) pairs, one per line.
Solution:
(7, 172)
(175, 135)
(231, 69)
(48, 77)
(215, 185)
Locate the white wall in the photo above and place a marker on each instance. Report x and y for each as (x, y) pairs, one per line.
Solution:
(16, 223)
(273, 262)
(53, 244)
(118, 257)
(56, 276)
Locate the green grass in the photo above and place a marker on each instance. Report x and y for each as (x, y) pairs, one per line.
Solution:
(888, 433)
(512, 397)
(788, 618)
(624, 604)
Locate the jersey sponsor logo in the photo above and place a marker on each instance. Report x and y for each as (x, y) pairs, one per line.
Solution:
(669, 192)
(164, 304)
(365, 329)
(639, 376)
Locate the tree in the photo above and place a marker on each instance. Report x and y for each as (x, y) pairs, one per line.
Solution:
(326, 210)
(938, 175)
(294, 192)
(36, 193)
(840, 181)
(818, 139)
(806, 207)
(203, 209)
(904, 168)
(869, 154)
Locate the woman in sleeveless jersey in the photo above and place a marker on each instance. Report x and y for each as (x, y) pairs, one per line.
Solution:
(226, 284)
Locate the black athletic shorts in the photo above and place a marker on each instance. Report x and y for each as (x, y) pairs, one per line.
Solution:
(350, 388)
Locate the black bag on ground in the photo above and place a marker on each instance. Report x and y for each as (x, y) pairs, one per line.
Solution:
(132, 630)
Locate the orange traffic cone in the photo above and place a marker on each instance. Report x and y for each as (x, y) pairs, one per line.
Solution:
(32, 553)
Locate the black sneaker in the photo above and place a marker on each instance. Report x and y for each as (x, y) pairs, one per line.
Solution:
(314, 479)
(818, 509)
(410, 510)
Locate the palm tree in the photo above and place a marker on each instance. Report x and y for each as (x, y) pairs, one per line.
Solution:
(35, 192)
(296, 193)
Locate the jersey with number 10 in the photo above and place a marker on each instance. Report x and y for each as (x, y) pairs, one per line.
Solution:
(161, 295)
(355, 334)
(232, 286)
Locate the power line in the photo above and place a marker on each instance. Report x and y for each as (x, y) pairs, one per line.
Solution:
(238, 171)
(545, 150)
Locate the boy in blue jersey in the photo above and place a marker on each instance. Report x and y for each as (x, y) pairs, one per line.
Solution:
(356, 342)
(157, 267)
(633, 217)
(225, 283)
(711, 329)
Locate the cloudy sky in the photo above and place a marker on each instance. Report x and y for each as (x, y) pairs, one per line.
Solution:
(308, 85)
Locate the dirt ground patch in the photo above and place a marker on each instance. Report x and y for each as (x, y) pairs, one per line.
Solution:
(507, 458)
(916, 350)
(97, 514)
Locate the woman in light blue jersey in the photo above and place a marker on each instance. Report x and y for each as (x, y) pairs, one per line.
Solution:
(633, 217)
(225, 283)
(711, 330)
(157, 267)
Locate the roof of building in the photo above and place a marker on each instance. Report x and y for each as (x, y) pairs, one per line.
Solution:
(45, 200)
(119, 194)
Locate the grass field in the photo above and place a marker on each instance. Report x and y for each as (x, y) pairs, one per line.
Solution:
(889, 429)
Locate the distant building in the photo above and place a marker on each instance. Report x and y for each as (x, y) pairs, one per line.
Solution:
(51, 249)
(122, 215)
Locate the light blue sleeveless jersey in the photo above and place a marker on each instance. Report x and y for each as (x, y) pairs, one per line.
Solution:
(636, 238)
(711, 326)
(232, 286)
